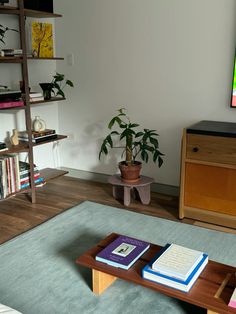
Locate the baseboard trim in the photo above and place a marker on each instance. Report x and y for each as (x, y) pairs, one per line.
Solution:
(100, 177)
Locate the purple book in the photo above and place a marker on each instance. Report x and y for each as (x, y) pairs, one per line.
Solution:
(123, 252)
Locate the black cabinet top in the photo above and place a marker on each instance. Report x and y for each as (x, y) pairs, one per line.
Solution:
(216, 128)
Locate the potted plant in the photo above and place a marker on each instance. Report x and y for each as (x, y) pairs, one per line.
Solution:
(56, 86)
(4, 30)
(136, 143)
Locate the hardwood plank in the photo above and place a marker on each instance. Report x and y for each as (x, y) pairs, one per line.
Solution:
(18, 214)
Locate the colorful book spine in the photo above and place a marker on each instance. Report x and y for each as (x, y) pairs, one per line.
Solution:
(11, 104)
(37, 181)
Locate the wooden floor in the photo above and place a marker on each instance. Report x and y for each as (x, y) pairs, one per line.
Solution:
(17, 214)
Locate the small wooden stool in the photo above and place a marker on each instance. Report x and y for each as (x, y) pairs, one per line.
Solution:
(123, 190)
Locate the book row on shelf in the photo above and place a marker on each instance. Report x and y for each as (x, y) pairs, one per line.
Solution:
(174, 266)
(15, 175)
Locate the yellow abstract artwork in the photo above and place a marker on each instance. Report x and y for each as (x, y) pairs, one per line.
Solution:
(42, 40)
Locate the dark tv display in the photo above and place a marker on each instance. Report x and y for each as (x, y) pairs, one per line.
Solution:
(233, 101)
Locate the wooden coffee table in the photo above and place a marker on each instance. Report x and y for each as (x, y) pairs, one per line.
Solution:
(211, 291)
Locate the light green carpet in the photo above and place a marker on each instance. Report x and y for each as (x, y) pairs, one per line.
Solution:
(38, 274)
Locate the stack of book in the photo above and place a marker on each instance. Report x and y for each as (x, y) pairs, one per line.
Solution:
(36, 96)
(122, 252)
(25, 175)
(176, 266)
(9, 175)
(12, 52)
(38, 137)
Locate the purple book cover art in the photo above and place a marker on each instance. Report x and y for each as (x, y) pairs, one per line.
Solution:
(123, 250)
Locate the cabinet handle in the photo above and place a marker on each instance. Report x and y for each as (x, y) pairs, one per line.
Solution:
(195, 149)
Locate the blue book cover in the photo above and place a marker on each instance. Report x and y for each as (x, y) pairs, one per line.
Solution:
(122, 252)
(183, 285)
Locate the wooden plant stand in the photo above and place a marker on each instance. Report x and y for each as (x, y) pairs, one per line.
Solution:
(123, 190)
(211, 291)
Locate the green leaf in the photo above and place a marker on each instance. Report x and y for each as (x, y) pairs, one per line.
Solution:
(160, 162)
(60, 92)
(109, 140)
(139, 134)
(133, 125)
(68, 82)
(59, 77)
(154, 142)
(113, 120)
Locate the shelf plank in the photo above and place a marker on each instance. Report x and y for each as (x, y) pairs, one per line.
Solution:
(11, 60)
(6, 9)
(47, 100)
(50, 173)
(39, 14)
(22, 147)
(37, 58)
(59, 138)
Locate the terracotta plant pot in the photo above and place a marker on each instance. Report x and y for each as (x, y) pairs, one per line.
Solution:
(130, 173)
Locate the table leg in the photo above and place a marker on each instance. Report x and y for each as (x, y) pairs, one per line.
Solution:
(144, 194)
(101, 281)
(211, 312)
(127, 191)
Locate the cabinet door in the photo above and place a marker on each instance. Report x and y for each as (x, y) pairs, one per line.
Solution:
(210, 188)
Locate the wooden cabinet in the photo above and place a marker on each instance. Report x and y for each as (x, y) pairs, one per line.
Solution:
(208, 173)
(21, 14)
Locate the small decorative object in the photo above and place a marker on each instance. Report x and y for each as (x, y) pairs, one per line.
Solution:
(14, 138)
(56, 86)
(47, 90)
(42, 40)
(39, 124)
(136, 142)
(4, 30)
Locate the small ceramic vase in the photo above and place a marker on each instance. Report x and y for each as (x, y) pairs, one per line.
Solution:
(38, 124)
(14, 138)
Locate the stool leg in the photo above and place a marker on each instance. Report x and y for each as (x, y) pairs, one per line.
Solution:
(118, 192)
(144, 194)
(127, 190)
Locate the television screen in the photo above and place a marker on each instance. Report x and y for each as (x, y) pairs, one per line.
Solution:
(233, 102)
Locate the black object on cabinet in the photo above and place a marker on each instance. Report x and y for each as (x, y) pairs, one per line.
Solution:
(40, 5)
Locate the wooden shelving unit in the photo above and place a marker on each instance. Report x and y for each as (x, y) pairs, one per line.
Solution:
(48, 173)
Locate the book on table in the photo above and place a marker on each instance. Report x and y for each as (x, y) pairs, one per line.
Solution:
(177, 261)
(123, 252)
(184, 275)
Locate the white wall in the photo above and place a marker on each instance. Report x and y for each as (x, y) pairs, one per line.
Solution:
(168, 62)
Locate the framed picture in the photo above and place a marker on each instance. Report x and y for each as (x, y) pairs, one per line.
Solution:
(42, 40)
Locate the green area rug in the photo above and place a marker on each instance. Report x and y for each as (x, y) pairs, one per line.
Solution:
(38, 274)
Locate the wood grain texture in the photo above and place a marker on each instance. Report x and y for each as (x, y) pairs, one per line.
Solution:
(202, 293)
(101, 281)
(18, 215)
(211, 148)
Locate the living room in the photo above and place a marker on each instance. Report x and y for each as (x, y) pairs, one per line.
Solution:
(170, 64)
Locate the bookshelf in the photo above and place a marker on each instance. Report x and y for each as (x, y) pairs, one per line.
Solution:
(48, 174)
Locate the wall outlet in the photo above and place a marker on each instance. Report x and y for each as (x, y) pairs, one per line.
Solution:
(70, 59)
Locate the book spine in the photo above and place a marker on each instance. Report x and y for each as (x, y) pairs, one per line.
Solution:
(11, 104)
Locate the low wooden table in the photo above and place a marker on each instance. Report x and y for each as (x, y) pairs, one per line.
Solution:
(211, 291)
(123, 190)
